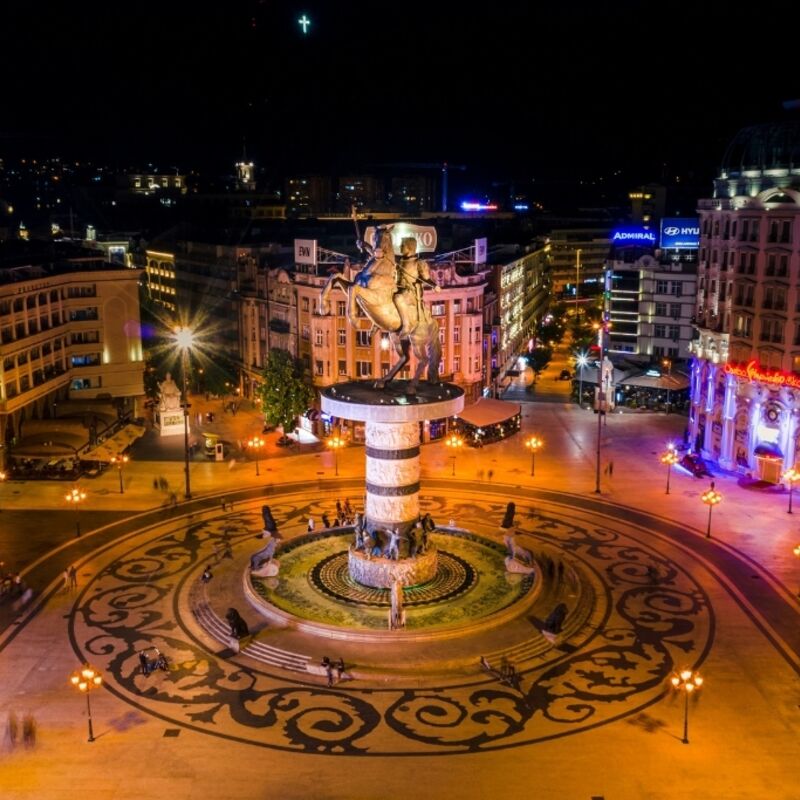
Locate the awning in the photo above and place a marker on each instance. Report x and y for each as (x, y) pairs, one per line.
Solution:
(488, 411)
(114, 445)
(768, 450)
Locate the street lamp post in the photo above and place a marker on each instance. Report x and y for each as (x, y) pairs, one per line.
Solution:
(710, 498)
(86, 679)
(790, 476)
(334, 443)
(455, 442)
(687, 682)
(667, 362)
(184, 339)
(120, 462)
(581, 361)
(75, 497)
(533, 444)
(796, 551)
(577, 283)
(670, 458)
(255, 444)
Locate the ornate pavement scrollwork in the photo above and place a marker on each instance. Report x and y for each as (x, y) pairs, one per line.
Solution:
(655, 616)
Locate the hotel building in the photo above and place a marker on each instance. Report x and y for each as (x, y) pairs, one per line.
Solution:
(745, 411)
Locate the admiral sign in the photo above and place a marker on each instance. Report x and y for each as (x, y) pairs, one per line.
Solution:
(680, 233)
(424, 234)
(633, 236)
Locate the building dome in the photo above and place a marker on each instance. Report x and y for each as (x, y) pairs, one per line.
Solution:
(764, 147)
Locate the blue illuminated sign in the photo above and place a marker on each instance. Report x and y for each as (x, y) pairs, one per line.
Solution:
(680, 233)
(633, 236)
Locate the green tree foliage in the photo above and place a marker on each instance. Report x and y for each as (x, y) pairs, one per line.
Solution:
(284, 395)
(539, 359)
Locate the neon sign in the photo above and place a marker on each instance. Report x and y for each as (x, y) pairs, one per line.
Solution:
(633, 236)
(468, 206)
(752, 372)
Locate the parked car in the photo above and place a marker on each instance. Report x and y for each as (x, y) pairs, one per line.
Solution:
(565, 375)
(695, 465)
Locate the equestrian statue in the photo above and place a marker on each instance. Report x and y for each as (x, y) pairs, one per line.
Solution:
(390, 292)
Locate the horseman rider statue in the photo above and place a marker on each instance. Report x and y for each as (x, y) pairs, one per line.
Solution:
(411, 276)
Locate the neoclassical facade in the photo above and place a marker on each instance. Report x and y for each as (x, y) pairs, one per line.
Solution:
(746, 370)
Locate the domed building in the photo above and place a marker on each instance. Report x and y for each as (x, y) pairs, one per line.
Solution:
(745, 411)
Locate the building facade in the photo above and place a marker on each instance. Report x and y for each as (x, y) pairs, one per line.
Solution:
(652, 307)
(69, 329)
(746, 373)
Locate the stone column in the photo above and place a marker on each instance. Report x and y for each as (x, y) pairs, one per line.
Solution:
(392, 487)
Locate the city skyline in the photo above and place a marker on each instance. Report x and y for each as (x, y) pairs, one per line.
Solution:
(579, 92)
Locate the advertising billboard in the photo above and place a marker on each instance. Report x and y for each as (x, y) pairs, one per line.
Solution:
(305, 251)
(633, 236)
(424, 234)
(680, 233)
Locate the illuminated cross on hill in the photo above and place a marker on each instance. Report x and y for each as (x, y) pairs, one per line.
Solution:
(304, 23)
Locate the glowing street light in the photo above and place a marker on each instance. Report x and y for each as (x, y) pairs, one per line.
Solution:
(533, 444)
(75, 497)
(796, 551)
(790, 476)
(334, 443)
(710, 498)
(581, 361)
(687, 682)
(455, 442)
(184, 339)
(670, 458)
(120, 462)
(255, 444)
(84, 680)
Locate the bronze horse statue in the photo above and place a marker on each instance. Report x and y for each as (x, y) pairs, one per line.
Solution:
(390, 294)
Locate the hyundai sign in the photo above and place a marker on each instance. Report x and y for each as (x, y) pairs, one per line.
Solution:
(680, 233)
(633, 236)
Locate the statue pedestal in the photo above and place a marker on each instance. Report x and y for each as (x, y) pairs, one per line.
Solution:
(392, 420)
(170, 423)
(381, 573)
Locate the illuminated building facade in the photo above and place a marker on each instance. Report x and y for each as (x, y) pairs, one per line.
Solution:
(70, 330)
(594, 246)
(746, 373)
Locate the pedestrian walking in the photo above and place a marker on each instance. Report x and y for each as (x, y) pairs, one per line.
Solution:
(610, 469)
(326, 663)
(310, 528)
(339, 669)
(12, 729)
(338, 508)
(480, 474)
(207, 574)
(490, 475)
(155, 483)
(222, 503)
(65, 576)
(326, 523)
(28, 730)
(73, 577)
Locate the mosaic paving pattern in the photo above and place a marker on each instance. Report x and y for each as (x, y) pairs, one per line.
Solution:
(658, 616)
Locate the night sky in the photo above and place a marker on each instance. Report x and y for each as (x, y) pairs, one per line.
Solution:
(518, 88)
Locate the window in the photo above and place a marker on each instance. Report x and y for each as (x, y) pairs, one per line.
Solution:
(88, 360)
(676, 287)
(305, 304)
(662, 287)
(674, 332)
(306, 332)
(675, 309)
(477, 365)
(744, 326)
(672, 352)
(456, 363)
(341, 308)
(456, 334)
(659, 331)
(437, 309)
(341, 336)
(658, 351)
(456, 306)
(364, 369)
(318, 337)
(319, 367)
(363, 338)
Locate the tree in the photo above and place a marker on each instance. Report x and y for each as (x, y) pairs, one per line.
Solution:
(539, 359)
(283, 393)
